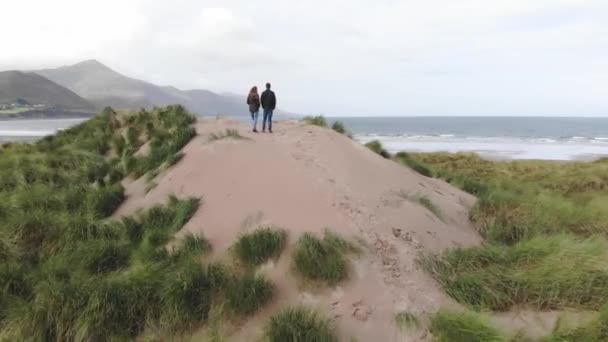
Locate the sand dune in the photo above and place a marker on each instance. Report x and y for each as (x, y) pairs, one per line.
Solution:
(306, 178)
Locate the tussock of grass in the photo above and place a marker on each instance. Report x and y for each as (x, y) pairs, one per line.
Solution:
(406, 320)
(318, 120)
(415, 165)
(260, 245)
(376, 146)
(192, 245)
(338, 126)
(300, 324)
(247, 294)
(423, 201)
(432, 207)
(596, 330)
(229, 133)
(464, 327)
(545, 273)
(322, 259)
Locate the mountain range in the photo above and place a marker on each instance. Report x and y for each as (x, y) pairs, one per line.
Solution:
(35, 89)
(91, 85)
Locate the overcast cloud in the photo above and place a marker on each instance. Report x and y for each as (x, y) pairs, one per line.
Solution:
(337, 57)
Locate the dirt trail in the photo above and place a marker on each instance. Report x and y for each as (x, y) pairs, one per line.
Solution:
(304, 179)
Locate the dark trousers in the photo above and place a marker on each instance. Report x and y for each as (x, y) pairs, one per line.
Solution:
(267, 118)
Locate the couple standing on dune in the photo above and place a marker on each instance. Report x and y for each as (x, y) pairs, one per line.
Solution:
(268, 101)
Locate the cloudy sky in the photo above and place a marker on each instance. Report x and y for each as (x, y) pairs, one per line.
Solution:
(337, 57)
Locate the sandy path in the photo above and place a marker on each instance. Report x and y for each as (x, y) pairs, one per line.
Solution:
(305, 178)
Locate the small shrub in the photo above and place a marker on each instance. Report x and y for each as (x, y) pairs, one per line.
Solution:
(300, 324)
(318, 120)
(376, 146)
(323, 260)
(464, 327)
(260, 245)
(247, 294)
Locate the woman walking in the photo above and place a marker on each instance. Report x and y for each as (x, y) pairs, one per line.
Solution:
(253, 100)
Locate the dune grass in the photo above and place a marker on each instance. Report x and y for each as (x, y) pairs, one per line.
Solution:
(68, 271)
(300, 324)
(596, 330)
(406, 320)
(246, 294)
(448, 326)
(521, 199)
(322, 259)
(229, 133)
(546, 225)
(318, 120)
(430, 206)
(552, 272)
(338, 126)
(260, 245)
(376, 146)
(417, 166)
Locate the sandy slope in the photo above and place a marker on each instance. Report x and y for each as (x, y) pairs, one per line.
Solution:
(305, 178)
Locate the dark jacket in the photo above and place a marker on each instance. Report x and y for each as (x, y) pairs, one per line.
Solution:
(269, 101)
(253, 100)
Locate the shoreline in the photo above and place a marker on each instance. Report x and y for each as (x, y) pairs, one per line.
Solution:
(494, 149)
(52, 115)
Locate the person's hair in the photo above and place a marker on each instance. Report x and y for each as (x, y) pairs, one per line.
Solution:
(253, 90)
(267, 85)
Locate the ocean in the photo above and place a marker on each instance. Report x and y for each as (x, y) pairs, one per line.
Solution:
(28, 130)
(546, 138)
(492, 137)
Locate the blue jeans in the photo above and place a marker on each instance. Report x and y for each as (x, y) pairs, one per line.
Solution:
(267, 118)
(254, 117)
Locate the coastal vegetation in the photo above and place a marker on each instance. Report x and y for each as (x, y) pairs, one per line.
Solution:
(318, 120)
(260, 245)
(321, 121)
(69, 271)
(229, 133)
(406, 320)
(323, 259)
(376, 146)
(300, 324)
(545, 225)
(451, 326)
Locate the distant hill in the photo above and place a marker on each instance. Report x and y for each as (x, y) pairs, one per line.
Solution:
(31, 88)
(106, 87)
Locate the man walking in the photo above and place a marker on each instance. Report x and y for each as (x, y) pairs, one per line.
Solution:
(269, 103)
